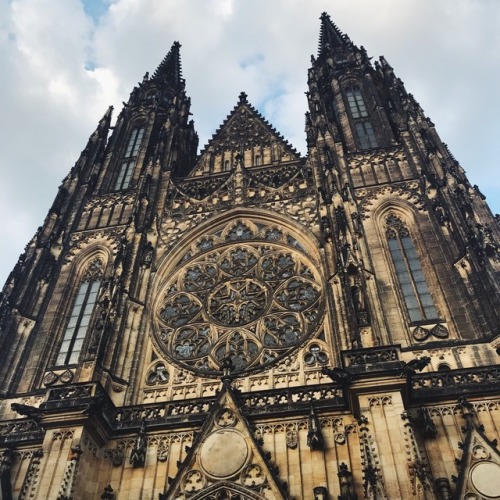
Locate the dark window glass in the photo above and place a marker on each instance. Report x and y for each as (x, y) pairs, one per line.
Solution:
(366, 135)
(409, 272)
(129, 159)
(364, 128)
(78, 324)
(356, 103)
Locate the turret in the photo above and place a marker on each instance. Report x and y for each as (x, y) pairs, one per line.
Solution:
(368, 136)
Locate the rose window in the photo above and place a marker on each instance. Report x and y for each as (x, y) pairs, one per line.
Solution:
(251, 302)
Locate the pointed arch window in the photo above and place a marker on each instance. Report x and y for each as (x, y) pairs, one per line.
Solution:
(366, 135)
(363, 126)
(356, 103)
(81, 315)
(128, 163)
(409, 272)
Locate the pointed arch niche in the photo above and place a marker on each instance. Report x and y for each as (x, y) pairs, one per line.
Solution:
(82, 280)
(408, 270)
(245, 286)
(409, 283)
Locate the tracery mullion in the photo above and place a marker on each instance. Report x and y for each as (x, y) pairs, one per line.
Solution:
(262, 300)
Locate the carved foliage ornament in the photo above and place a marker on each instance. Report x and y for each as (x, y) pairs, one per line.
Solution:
(252, 301)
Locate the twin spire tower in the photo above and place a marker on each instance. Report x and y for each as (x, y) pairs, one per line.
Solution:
(249, 323)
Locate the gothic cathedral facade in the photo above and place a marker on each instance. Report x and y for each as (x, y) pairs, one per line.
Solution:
(249, 323)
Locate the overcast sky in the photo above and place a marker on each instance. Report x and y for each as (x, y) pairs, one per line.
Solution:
(63, 62)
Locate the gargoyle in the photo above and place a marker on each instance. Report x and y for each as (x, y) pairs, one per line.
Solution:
(28, 411)
(337, 374)
(412, 366)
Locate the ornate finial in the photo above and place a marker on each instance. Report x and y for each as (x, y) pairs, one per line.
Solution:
(243, 98)
(314, 436)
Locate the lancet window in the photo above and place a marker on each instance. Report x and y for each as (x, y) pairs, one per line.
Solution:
(364, 128)
(81, 315)
(410, 276)
(356, 103)
(129, 159)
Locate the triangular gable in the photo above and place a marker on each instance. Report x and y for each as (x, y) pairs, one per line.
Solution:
(226, 458)
(247, 135)
(479, 473)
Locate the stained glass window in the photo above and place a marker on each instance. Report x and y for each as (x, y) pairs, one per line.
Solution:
(416, 295)
(356, 103)
(364, 128)
(81, 314)
(129, 159)
(366, 135)
(78, 324)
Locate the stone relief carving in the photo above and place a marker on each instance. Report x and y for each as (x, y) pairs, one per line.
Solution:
(409, 191)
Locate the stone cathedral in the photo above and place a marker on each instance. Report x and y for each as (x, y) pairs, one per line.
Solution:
(248, 323)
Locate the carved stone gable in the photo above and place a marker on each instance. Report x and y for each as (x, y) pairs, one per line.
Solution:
(244, 137)
(226, 459)
(479, 467)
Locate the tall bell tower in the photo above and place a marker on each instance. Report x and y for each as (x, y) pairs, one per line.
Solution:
(249, 323)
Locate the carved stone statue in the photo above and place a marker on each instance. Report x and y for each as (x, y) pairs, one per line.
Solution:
(314, 436)
(147, 256)
(346, 486)
(138, 456)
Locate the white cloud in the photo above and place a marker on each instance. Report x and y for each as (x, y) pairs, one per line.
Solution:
(61, 68)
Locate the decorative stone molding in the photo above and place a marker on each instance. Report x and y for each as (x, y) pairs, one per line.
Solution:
(458, 382)
(63, 435)
(408, 191)
(378, 158)
(370, 356)
(70, 474)
(373, 483)
(108, 200)
(162, 443)
(107, 238)
(416, 460)
(379, 401)
(32, 477)
(20, 430)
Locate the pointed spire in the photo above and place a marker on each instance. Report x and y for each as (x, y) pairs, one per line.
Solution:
(105, 122)
(96, 145)
(170, 69)
(330, 36)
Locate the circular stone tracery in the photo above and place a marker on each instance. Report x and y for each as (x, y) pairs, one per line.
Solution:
(237, 302)
(254, 302)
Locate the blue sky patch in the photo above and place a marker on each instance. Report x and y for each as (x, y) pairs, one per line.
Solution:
(95, 8)
(251, 60)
